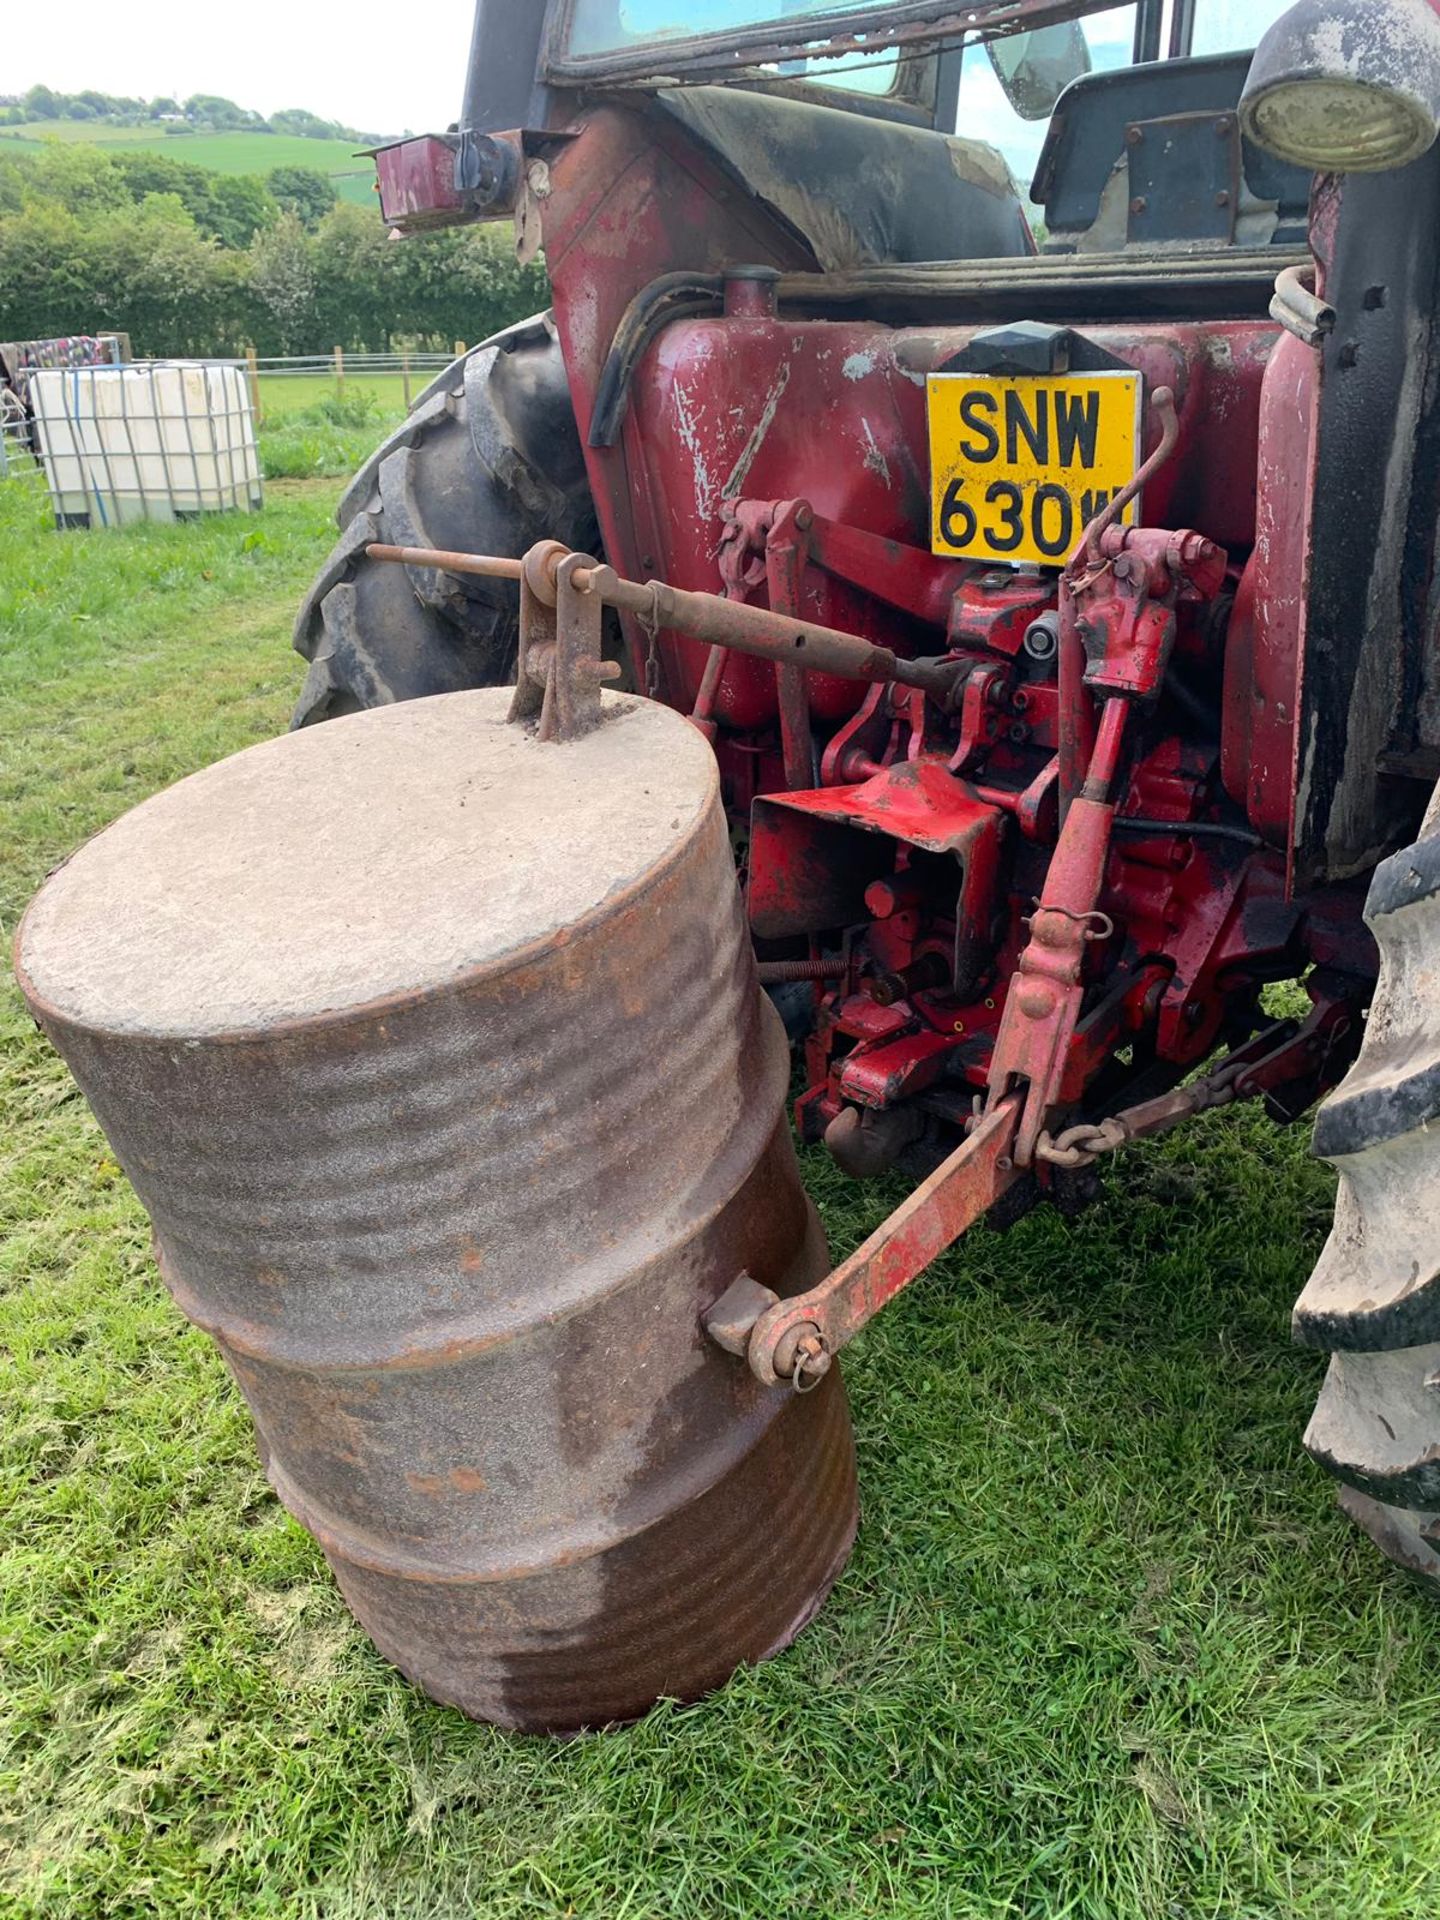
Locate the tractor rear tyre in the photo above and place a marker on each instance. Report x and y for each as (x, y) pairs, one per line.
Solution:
(1374, 1297)
(488, 461)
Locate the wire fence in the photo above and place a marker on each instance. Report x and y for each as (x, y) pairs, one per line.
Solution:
(338, 361)
(413, 370)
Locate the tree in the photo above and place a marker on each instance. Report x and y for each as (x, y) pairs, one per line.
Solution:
(159, 278)
(145, 173)
(357, 300)
(14, 179)
(194, 262)
(146, 270)
(308, 126)
(216, 111)
(40, 103)
(79, 177)
(306, 191)
(45, 282)
(240, 207)
(229, 207)
(282, 280)
(462, 284)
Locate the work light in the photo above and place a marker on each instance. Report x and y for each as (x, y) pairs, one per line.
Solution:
(1346, 86)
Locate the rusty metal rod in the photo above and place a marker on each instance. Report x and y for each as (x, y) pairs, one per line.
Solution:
(704, 709)
(1162, 405)
(705, 616)
(771, 636)
(481, 563)
(781, 973)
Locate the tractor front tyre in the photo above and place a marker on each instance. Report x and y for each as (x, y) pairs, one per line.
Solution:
(487, 461)
(1374, 1297)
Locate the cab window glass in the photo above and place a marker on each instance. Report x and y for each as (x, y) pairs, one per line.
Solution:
(1233, 26)
(864, 73)
(986, 114)
(602, 26)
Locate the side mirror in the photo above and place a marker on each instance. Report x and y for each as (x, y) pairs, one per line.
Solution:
(1035, 68)
(1346, 86)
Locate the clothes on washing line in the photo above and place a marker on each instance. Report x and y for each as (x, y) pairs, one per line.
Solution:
(70, 350)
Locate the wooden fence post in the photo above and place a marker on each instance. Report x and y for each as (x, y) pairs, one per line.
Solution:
(405, 375)
(459, 349)
(253, 375)
(340, 373)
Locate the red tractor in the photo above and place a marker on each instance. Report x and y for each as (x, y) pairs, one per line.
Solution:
(1061, 600)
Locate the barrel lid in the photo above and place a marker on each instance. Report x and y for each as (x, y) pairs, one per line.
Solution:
(380, 854)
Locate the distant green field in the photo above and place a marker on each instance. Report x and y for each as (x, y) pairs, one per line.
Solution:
(100, 132)
(224, 152)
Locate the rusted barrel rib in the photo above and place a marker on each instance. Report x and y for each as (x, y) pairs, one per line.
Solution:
(438, 1058)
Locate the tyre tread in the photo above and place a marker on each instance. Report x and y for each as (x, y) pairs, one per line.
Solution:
(488, 460)
(1373, 1299)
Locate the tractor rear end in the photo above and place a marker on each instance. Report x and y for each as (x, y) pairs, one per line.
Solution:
(1061, 626)
(1148, 517)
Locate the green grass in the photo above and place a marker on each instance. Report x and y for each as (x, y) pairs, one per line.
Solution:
(291, 393)
(237, 152)
(324, 432)
(1105, 1648)
(101, 133)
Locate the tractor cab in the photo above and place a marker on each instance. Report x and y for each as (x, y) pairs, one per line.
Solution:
(1095, 118)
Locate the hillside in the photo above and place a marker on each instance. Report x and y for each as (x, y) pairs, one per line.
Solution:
(242, 150)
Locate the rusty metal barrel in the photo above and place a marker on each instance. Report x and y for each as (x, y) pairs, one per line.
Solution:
(437, 1055)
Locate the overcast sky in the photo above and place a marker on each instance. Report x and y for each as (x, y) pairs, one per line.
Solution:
(342, 61)
(377, 66)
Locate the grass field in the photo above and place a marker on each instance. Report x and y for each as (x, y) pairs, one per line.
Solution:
(292, 393)
(1105, 1648)
(238, 152)
(308, 429)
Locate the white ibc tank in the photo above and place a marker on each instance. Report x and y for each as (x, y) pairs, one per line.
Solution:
(153, 442)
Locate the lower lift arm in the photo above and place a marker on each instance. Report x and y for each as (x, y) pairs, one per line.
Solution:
(796, 1339)
(1288, 1065)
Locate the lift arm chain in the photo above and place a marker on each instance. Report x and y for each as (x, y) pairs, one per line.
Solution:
(1302, 1058)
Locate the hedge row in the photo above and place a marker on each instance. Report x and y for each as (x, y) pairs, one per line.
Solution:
(188, 262)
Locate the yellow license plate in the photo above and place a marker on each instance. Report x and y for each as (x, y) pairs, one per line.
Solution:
(1019, 467)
